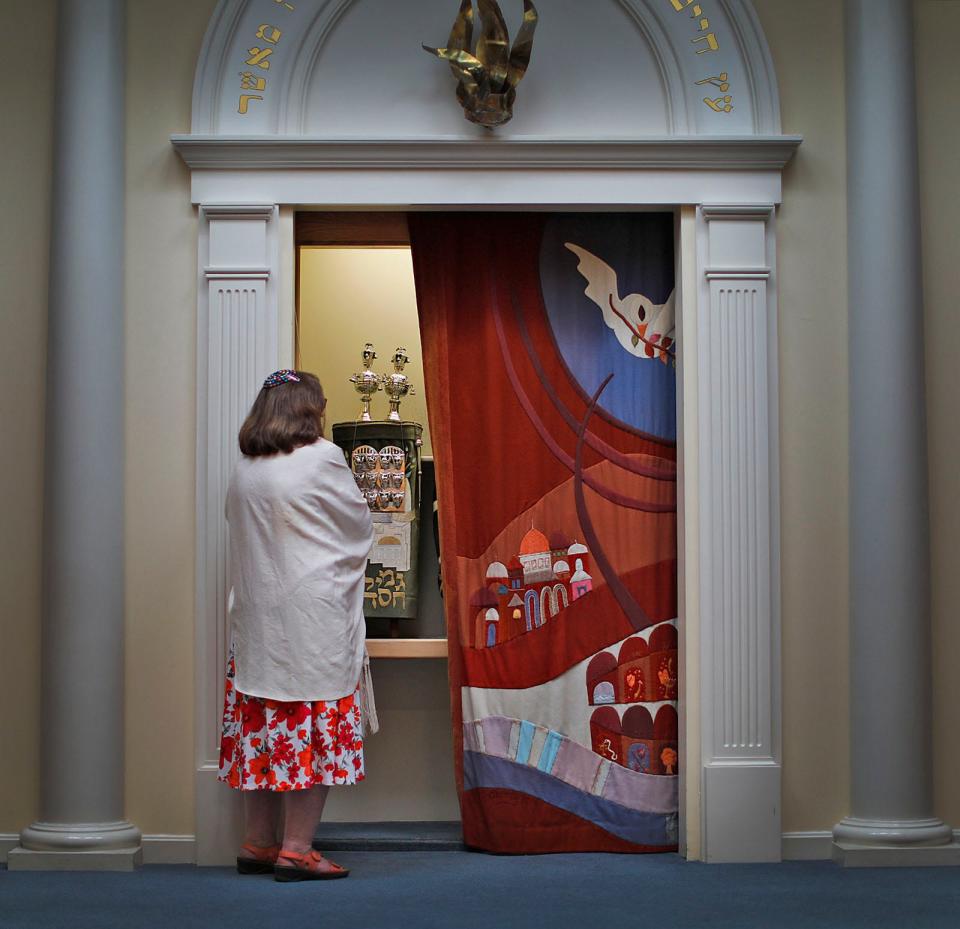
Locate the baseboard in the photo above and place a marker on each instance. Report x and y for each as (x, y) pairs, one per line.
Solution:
(817, 845)
(8, 840)
(157, 849)
(169, 849)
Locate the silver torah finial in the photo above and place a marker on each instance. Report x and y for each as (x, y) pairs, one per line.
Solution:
(397, 385)
(365, 382)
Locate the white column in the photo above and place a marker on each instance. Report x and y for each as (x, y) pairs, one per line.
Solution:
(81, 821)
(237, 347)
(891, 790)
(739, 534)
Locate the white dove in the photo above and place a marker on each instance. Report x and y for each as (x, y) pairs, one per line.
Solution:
(643, 328)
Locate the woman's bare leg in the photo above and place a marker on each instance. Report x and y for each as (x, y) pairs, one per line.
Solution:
(261, 810)
(302, 810)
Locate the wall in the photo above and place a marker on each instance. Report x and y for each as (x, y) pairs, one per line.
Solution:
(163, 45)
(349, 296)
(806, 40)
(24, 252)
(164, 40)
(937, 21)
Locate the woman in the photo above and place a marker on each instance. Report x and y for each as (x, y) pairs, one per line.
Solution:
(300, 533)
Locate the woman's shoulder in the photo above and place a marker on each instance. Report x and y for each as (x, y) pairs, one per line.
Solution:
(322, 449)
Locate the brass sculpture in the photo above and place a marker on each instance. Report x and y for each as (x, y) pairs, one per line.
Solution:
(487, 77)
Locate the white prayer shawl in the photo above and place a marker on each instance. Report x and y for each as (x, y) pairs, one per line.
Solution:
(300, 533)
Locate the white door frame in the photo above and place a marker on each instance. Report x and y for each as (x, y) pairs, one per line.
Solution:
(728, 428)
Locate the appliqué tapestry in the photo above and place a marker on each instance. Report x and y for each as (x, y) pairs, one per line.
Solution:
(549, 355)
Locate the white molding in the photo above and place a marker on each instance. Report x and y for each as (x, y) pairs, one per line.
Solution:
(169, 849)
(688, 537)
(749, 212)
(713, 153)
(491, 188)
(240, 274)
(157, 849)
(309, 32)
(739, 537)
(8, 841)
(236, 210)
(761, 73)
(813, 845)
(237, 346)
(737, 274)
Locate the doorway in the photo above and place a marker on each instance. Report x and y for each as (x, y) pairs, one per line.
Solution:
(354, 284)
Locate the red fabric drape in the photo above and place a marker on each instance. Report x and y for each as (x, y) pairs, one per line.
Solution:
(546, 497)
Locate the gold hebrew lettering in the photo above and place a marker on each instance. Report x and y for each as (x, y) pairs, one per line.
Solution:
(711, 40)
(720, 81)
(269, 33)
(258, 57)
(249, 81)
(721, 104)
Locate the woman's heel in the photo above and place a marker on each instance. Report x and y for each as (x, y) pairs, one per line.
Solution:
(258, 860)
(253, 866)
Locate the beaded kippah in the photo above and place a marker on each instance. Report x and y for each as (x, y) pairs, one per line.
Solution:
(283, 376)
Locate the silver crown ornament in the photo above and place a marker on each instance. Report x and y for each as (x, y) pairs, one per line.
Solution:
(397, 385)
(366, 382)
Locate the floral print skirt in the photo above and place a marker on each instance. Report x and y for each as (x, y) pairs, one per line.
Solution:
(279, 745)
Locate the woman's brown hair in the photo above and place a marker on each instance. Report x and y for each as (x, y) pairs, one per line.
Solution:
(284, 417)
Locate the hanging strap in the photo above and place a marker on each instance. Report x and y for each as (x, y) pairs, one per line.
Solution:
(368, 706)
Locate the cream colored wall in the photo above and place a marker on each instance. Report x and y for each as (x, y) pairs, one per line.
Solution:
(938, 70)
(349, 296)
(806, 40)
(161, 260)
(24, 248)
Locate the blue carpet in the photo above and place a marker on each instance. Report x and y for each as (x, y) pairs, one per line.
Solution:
(463, 890)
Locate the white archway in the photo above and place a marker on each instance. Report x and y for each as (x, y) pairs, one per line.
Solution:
(349, 116)
(613, 67)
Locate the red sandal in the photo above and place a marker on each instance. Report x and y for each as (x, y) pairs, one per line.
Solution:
(306, 868)
(258, 860)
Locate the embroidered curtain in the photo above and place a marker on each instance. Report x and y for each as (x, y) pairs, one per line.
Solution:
(549, 357)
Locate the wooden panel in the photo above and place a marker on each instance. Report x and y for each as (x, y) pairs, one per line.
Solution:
(407, 648)
(348, 228)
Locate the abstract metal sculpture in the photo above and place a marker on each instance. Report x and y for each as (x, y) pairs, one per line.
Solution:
(487, 76)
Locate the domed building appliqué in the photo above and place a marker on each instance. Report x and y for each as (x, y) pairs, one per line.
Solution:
(531, 588)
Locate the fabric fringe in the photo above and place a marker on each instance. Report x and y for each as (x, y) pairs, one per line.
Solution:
(368, 706)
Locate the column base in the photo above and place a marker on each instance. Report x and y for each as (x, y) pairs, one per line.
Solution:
(121, 859)
(113, 846)
(870, 843)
